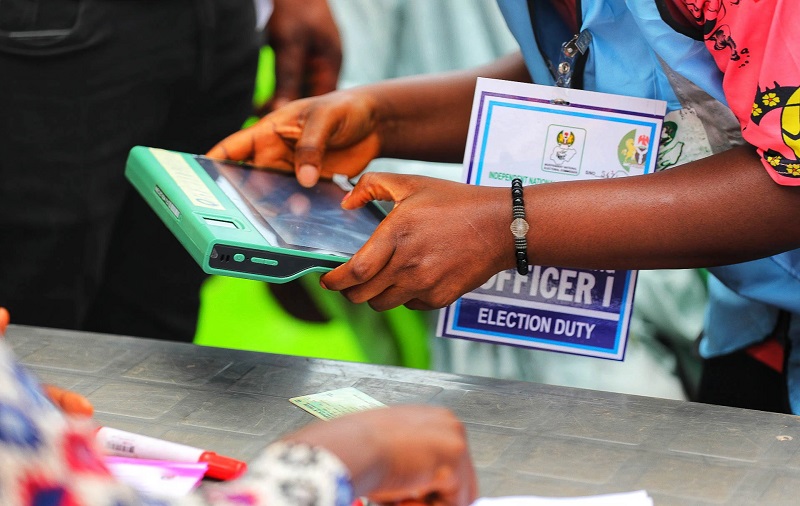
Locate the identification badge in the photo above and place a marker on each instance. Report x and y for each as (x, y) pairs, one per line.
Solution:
(544, 134)
(333, 403)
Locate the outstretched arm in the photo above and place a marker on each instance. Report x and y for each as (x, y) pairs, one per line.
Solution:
(423, 118)
(719, 210)
(444, 239)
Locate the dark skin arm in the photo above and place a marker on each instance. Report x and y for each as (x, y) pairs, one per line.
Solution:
(427, 118)
(423, 118)
(444, 239)
(720, 210)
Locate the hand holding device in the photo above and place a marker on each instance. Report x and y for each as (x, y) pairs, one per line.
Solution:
(243, 221)
(441, 240)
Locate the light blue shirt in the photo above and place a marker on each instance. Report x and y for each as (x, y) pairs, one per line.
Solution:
(628, 40)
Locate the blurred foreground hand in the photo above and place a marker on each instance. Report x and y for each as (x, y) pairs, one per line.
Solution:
(401, 454)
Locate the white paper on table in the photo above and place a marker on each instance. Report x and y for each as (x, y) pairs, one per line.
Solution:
(637, 498)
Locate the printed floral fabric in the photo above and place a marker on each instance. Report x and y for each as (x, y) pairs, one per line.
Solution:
(47, 459)
(753, 43)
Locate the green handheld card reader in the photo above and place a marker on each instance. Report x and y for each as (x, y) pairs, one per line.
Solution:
(254, 223)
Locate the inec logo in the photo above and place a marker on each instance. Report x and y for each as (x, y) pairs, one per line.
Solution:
(633, 150)
(563, 150)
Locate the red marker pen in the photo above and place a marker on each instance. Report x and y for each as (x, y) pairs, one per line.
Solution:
(127, 444)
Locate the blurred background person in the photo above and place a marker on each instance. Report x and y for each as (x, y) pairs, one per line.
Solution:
(80, 84)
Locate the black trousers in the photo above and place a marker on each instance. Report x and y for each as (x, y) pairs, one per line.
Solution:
(739, 380)
(81, 82)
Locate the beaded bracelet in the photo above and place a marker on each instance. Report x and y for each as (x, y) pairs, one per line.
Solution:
(519, 227)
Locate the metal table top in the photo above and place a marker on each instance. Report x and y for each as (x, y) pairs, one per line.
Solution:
(525, 438)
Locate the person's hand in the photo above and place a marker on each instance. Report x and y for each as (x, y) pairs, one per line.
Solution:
(441, 240)
(69, 402)
(400, 454)
(332, 134)
(308, 50)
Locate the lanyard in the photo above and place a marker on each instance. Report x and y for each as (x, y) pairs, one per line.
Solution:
(570, 52)
(571, 57)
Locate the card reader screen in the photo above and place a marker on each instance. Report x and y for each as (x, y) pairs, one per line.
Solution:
(289, 215)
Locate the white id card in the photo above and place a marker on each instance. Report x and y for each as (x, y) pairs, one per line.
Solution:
(543, 134)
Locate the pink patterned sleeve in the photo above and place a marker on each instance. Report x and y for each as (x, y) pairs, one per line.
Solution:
(755, 44)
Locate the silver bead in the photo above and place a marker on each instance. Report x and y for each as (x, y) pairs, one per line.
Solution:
(519, 227)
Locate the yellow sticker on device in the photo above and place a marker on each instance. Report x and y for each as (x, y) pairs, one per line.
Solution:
(334, 403)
